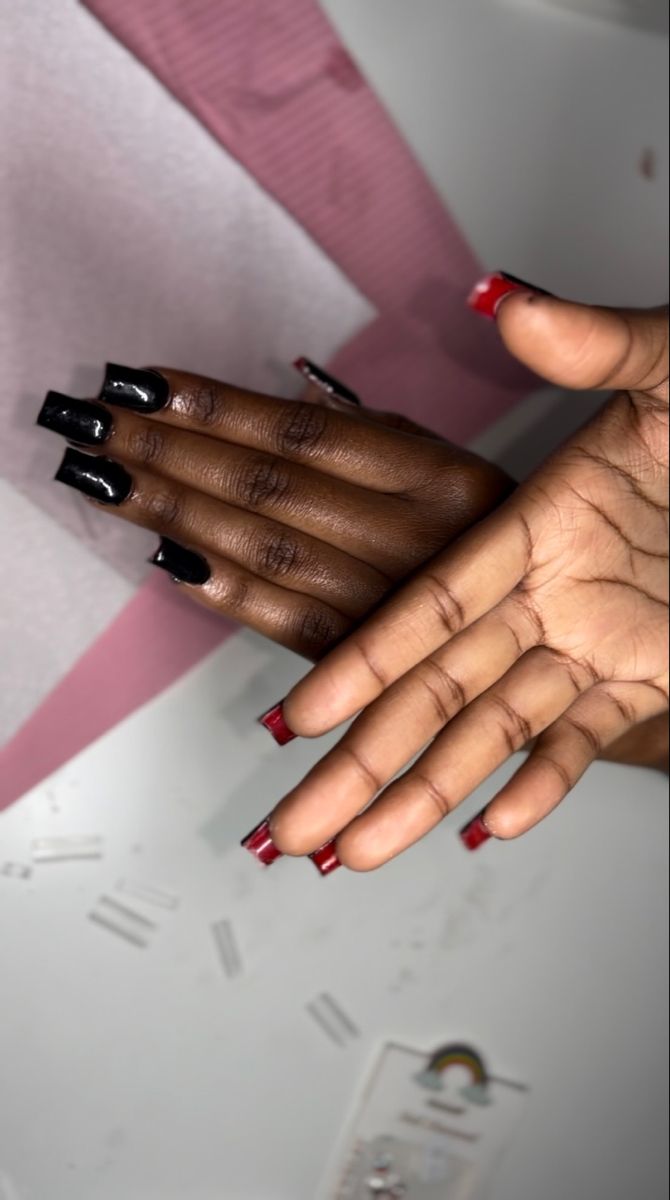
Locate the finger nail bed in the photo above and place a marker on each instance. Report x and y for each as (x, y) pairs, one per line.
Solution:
(475, 833)
(100, 478)
(77, 420)
(325, 859)
(142, 391)
(489, 293)
(326, 382)
(185, 566)
(259, 843)
(275, 724)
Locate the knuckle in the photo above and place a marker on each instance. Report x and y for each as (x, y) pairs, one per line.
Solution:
(447, 606)
(301, 427)
(514, 727)
(262, 481)
(198, 403)
(318, 629)
(165, 509)
(445, 694)
(436, 794)
(234, 592)
(278, 554)
(146, 444)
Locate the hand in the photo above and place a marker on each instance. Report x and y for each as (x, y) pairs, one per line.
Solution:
(293, 518)
(547, 621)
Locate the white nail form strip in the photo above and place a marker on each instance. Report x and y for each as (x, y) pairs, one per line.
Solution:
(332, 1019)
(226, 944)
(148, 893)
(60, 849)
(124, 921)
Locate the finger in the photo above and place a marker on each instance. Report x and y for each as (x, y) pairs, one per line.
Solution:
(460, 586)
(536, 691)
(265, 548)
(564, 752)
(332, 441)
(340, 514)
(298, 622)
(578, 346)
(389, 733)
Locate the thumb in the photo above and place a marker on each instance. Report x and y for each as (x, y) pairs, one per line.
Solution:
(583, 347)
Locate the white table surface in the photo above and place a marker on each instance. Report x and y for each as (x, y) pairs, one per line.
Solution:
(134, 1074)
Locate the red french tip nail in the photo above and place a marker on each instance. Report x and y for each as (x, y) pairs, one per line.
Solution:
(475, 833)
(275, 724)
(325, 859)
(487, 295)
(259, 843)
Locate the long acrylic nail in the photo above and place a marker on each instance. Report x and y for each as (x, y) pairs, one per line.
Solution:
(325, 859)
(475, 833)
(487, 295)
(78, 420)
(100, 478)
(141, 391)
(185, 566)
(259, 843)
(327, 383)
(275, 724)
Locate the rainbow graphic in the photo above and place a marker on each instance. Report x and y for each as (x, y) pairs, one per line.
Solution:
(457, 1054)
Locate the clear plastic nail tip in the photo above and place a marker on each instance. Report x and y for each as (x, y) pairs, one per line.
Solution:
(332, 1019)
(62, 849)
(118, 918)
(226, 944)
(16, 870)
(148, 893)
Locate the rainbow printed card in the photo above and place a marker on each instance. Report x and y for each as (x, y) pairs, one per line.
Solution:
(428, 1127)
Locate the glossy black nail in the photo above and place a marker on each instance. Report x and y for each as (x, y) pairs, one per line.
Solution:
(183, 565)
(101, 478)
(142, 391)
(327, 383)
(77, 420)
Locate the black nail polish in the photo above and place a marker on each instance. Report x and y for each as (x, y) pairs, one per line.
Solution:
(183, 565)
(327, 383)
(532, 287)
(101, 478)
(142, 391)
(78, 420)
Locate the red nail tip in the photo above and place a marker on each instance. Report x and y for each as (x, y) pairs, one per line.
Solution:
(259, 843)
(325, 859)
(475, 833)
(275, 724)
(487, 295)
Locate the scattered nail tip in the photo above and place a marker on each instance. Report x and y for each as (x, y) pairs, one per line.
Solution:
(62, 849)
(228, 948)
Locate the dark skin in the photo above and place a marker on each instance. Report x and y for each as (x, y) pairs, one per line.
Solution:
(309, 513)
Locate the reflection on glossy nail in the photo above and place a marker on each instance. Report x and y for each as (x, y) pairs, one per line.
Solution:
(100, 478)
(79, 421)
(185, 566)
(259, 843)
(275, 724)
(325, 859)
(141, 391)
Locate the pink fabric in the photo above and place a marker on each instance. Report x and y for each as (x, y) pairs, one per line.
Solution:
(273, 84)
(159, 635)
